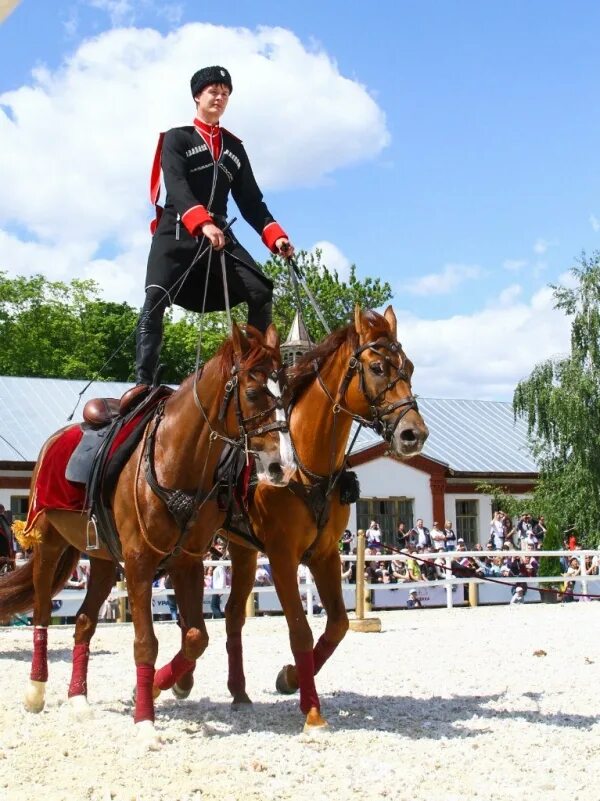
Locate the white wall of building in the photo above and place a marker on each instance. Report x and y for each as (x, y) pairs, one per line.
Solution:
(387, 478)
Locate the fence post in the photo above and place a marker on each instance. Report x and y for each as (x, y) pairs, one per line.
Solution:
(309, 594)
(583, 570)
(122, 613)
(360, 622)
(448, 573)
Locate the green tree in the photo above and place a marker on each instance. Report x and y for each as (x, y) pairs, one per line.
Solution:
(65, 330)
(561, 403)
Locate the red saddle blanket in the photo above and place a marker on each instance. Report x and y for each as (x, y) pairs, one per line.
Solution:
(52, 490)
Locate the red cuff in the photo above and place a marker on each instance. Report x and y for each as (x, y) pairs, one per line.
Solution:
(271, 233)
(195, 218)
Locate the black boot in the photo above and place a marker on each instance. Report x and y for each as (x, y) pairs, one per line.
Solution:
(147, 347)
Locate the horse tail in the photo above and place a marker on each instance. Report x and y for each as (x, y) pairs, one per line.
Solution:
(17, 592)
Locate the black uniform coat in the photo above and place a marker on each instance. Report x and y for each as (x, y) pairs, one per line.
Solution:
(193, 178)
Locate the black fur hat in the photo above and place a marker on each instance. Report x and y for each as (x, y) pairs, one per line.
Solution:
(208, 75)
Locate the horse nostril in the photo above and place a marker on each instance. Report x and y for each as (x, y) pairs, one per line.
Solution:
(408, 435)
(275, 470)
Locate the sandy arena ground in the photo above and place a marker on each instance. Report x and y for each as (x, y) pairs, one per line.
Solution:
(439, 706)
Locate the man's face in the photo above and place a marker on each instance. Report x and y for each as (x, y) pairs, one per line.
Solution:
(212, 101)
(419, 523)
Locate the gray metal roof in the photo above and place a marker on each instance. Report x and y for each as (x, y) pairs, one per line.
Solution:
(473, 436)
(33, 408)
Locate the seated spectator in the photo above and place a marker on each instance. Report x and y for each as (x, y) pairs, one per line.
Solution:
(413, 601)
(573, 570)
(518, 597)
(399, 570)
(346, 571)
(382, 572)
(262, 577)
(414, 569)
(428, 568)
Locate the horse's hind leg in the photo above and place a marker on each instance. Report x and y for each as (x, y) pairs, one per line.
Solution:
(46, 557)
(102, 577)
(187, 576)
(243, 572)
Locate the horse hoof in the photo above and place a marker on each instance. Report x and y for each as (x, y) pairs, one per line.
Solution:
(285, 683)
(181, 693)
(147, 735)
(315, 723)
(80, 708)
(35, 696)
(241, 702)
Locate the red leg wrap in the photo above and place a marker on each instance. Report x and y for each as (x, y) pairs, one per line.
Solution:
(322, 652)
(81, 655)
(39, 662)
(144, 703)
(305, 665)
(236, 682)
(168, 675)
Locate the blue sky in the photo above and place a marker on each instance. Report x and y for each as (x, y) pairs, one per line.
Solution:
(486, 190)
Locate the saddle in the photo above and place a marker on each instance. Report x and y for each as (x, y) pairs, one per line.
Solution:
(109, 438)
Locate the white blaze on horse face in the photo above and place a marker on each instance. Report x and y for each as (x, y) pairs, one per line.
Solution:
(277, 467)
(285, 443)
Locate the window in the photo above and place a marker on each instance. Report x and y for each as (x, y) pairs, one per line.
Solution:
(18, 506)
(467, 521)
(388, 512)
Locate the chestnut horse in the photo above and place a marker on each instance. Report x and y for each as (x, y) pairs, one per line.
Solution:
(360, 373)
(234, 399)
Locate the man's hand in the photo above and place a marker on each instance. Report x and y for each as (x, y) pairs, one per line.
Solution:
(215, 236)
(284, 247)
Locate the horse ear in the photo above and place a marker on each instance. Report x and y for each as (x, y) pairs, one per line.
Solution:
(391, 319)
(360, 323)
(241, 345)
(272, 339)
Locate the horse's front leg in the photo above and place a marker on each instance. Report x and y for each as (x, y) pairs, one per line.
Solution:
(326, 572)
(187, 576)
(243, 573)
(139, 572)
(102, 577)
(301, 639)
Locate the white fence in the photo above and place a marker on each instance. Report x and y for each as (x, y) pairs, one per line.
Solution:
(447, 591)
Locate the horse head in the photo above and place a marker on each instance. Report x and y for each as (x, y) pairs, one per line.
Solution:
(257, 411)
(378, 383)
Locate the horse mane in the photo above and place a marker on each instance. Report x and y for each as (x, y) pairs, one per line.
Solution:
(224, 358)
(303, 373)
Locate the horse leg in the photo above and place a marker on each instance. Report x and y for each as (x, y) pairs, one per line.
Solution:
(243, 573)
(101, 579)
(139, 573)
(301, 639)
(326, 573)
(46, 556)
(188, 581)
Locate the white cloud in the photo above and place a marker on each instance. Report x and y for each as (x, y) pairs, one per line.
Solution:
(444, 282)
(541, 246)
(594, 222)
(120, 12)
(333, 258)
(509, 295)
(78, 141)
(514, 265)
(485, 354)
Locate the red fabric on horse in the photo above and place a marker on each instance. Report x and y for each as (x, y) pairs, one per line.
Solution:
(52, 490)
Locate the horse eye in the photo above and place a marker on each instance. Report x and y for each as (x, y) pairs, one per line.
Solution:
(376, 367)
(252, 394)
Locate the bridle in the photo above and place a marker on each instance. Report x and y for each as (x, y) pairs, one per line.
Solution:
(377, 421)
(232, 391)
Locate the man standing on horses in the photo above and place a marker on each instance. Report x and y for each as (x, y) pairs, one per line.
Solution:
(202, 163)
